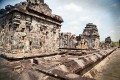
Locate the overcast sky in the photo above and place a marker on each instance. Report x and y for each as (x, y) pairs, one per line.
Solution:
(77, 13)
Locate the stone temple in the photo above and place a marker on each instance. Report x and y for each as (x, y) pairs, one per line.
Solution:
(90, 38)
(29, 26)
(34, 48)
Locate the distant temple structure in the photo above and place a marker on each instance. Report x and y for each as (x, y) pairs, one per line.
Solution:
(90, 38)
(28, 27)
(108, 42)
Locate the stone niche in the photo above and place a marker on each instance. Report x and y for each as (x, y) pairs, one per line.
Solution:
(89, 39)
(27, 30)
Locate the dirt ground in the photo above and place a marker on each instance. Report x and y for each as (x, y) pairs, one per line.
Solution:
(111, 71)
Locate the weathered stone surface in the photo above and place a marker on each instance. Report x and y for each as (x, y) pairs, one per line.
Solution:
(29, 27)
(108, 42)
(58, 67)
(90, 38)
(67, 40)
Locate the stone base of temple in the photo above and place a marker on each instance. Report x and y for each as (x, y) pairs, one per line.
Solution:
(69, 64)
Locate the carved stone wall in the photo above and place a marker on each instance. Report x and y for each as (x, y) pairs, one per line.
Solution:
(67, 40)
(5, 31)
(30, 31)
(82, 43)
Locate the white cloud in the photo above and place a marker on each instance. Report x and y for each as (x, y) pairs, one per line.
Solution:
(76, 21)
(70, 7)
(85, 18)
(76, 14)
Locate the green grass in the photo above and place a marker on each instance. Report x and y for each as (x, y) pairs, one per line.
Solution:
(115, 43)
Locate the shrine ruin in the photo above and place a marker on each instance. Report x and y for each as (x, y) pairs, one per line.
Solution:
(28, 27)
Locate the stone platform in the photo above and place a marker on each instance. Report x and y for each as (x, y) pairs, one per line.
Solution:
(69, 65)
(26, 55)
(34, 54)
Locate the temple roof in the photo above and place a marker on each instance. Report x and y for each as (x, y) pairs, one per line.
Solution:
(90, 29)
(38, 8)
